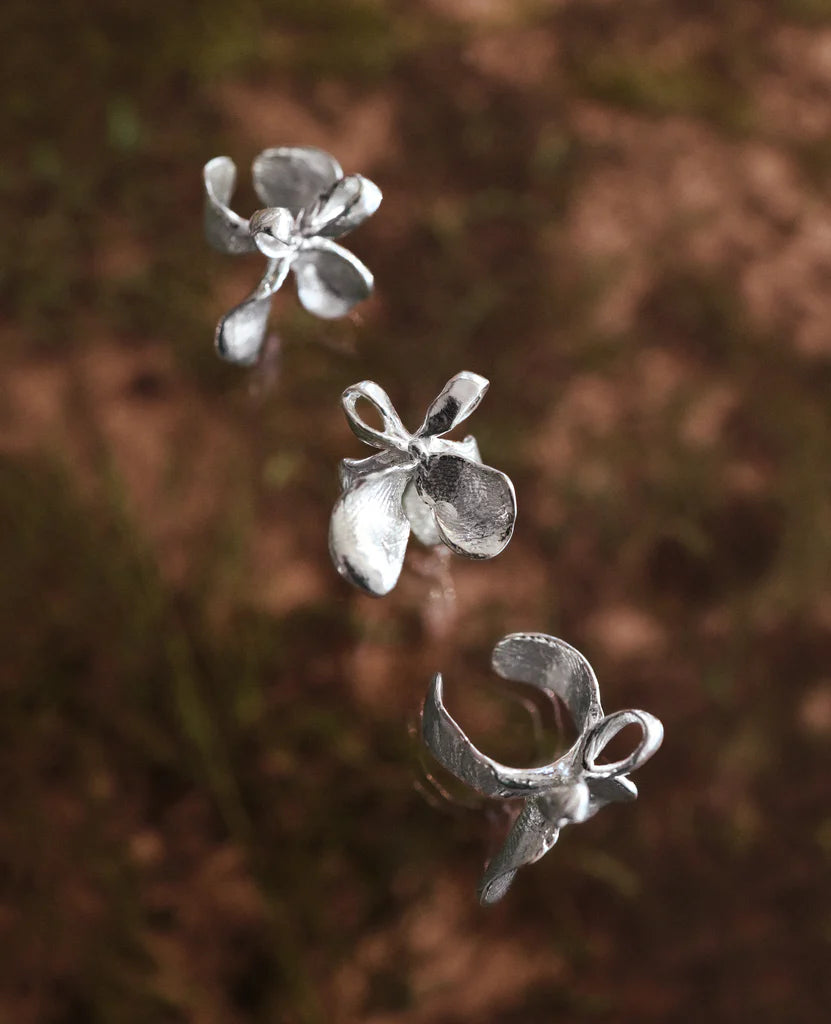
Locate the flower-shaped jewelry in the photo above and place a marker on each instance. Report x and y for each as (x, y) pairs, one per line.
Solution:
(571, 789)
(308, 203)
(439, 489)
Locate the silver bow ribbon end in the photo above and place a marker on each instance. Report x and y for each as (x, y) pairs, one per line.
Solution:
(437, 488)
(308, 202)
(569, 790)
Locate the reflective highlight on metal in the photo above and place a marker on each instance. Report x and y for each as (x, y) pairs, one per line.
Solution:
(439, 489)
(572, 788)
(308, 203)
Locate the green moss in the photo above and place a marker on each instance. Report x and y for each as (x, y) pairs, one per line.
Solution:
(634, 84)
(810, 12)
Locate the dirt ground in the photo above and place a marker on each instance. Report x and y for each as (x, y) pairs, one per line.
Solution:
(214, 806)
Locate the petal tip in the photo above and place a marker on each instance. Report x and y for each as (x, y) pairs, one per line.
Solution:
(369, 583)
(493, 888)
(240, 334)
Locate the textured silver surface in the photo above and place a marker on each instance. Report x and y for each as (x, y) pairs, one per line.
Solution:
(572, 788)
(439, 489)
(308, 203)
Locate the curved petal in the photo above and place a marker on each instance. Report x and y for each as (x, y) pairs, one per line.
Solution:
(554, 666)
(294, 176)
(531, 837)
(604, 791)
(241, 332)
(368, 531)
(352, 471)
(419, 512)
(458, 398)
(225, 230)
(468, 448)
(422, 519)
(474, 505)
(652, 736)
(454, 751)
(346, 205)
(330, 280)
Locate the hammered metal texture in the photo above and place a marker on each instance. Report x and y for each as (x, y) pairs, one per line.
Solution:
(570, 789)
(309, 202)
(437, 488)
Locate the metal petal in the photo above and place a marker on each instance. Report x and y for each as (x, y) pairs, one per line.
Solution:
(452, 749)
(393, 435)
(421, 516)
(224, 229)
(419, 512)
(330, 280)
(459, 397)
(368, 531)
(602, 734)
(241, 332)
(351, 471)
(346, 205)
(468, 448)
(554, 666)
(604, 791)
(531, 837)
(294, 176)
(474, 505)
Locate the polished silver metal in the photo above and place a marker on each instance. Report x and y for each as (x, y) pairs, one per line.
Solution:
(308, 203)
(439, 489)
(572, 788)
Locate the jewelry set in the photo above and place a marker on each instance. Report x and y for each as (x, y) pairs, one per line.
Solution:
(438, 489)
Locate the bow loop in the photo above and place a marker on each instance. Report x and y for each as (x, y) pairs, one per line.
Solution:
(393, 434)
(458, 398)
(600, 735)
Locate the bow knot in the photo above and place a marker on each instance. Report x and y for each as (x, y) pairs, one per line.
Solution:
(393, 435)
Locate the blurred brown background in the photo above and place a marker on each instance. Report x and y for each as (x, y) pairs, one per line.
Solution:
(212, 807)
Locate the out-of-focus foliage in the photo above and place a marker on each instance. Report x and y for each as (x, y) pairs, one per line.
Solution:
(620, 214)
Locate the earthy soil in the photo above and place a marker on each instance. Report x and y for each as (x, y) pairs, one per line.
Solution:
(215, 809)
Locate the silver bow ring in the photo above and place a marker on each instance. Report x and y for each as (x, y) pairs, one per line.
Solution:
(572, 788)
(420, 482)
(308, 202)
